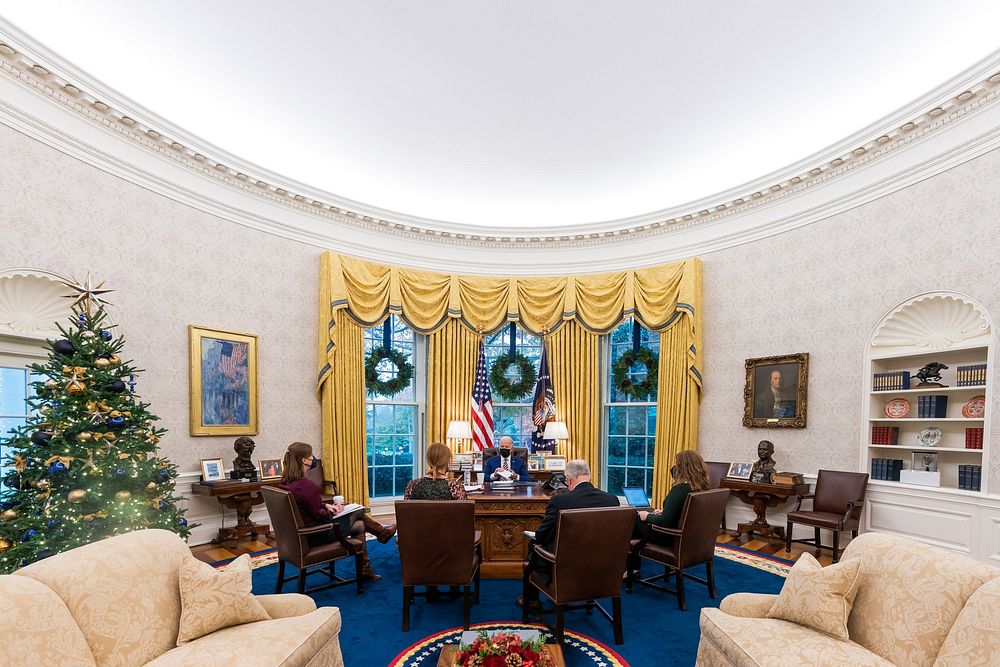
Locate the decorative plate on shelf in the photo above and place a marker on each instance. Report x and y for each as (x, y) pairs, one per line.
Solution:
(975, 408)
(897, 408)
(929, 437)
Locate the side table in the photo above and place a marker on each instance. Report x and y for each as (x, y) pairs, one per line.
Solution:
(762, 496)
(239, 496)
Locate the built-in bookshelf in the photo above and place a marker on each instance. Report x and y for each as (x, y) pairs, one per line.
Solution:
(938, 453)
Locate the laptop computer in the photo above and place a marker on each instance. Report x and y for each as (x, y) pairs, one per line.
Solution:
(636, 497)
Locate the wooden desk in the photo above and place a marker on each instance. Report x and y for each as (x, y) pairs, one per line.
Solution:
(448, 653)
(240, 496)
(762, 496)
(503, 515)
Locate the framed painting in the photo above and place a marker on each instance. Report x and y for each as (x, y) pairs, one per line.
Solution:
(775, 394)
(270, 468)
(223, 382)
(212, 470)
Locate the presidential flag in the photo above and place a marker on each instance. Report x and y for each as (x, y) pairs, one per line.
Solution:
(482, 405)
(543, 407)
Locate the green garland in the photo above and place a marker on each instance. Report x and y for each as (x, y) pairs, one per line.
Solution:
(404, 372)
(506, 389)
(622, 381)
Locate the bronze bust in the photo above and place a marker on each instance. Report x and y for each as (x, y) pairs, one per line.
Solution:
(762, 471)
(243, 466)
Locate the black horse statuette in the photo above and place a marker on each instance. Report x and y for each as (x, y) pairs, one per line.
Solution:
(930, 375)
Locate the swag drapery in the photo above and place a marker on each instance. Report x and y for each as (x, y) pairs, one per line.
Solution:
(571, 312)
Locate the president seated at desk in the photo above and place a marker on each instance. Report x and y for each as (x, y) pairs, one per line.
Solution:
(505, 466)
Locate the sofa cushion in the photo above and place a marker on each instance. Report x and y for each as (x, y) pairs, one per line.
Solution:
(281, 641)
(819, 597)
(212, 600)
(765, 642)
(974, 639)
(910, 595)
(122, 592)
(35, 622)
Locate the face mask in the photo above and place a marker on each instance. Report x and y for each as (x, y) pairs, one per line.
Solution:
(314, 464)
(505, 453)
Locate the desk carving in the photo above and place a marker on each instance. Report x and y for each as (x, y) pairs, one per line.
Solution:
(503, 516)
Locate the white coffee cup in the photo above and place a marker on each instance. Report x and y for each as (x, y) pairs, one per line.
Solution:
(338, 500)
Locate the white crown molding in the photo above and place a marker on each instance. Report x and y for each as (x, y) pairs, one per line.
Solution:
(39, 99)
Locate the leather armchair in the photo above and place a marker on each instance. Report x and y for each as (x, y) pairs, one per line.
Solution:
(521, 452)
(438, 546)
(327, 489)
(693, 543)
(588, 560)
(717, 472)
(292, 536)
(838, 500)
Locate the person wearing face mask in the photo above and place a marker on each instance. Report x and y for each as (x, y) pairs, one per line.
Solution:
(505, 466)
(315, 512)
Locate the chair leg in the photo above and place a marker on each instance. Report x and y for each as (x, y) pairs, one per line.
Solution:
(679, 578)
(407, 594)
(590, 607)
(836, 546)
(281, 576)
(819, 542)
(302, 580)
(616, 618)
(559, 624)
(788, 537)
(466, 607)
(710, 578)
(854, 534)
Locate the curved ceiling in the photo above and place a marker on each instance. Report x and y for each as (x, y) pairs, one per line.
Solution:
(520, 114)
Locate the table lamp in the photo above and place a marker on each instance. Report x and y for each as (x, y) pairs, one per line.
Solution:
(556, 431)
(459, 430)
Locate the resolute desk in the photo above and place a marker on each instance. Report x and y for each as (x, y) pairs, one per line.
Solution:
(503, 515)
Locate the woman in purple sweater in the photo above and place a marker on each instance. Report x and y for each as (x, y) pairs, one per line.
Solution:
(315, 512)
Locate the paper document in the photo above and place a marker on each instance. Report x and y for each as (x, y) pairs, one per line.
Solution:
(350, 507)
(471, 488)
(529, 533)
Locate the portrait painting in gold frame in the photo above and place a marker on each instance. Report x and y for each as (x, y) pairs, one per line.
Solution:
(223, 371)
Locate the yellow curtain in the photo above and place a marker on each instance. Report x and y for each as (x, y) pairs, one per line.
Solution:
(343, 400)
(451, 363)
(575, 366)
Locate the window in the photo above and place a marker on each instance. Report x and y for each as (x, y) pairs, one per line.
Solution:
(513, 418)
(15, 387)
(630, 423)
(391, 421)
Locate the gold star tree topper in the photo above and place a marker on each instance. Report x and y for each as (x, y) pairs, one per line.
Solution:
(86, 293)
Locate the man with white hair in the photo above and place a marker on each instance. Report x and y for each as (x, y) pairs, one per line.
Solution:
(505, 466)
(581, 494)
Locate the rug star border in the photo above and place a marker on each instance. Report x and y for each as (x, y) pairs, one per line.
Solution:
(778, 566)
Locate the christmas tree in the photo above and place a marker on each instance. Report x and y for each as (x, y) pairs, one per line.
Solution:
(84, 464)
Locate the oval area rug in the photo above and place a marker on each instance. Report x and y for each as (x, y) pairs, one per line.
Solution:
(578, 650)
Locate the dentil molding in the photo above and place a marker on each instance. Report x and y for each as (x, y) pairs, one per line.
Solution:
(51, 101)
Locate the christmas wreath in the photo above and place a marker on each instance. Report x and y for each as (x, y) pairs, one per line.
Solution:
(404, 372)
(512, 388)
(624, 383)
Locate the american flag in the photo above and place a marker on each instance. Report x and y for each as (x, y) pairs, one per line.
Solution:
(482, 405)
(231, 357)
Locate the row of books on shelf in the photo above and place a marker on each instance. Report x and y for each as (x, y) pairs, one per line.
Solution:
(887, 469)
(970, 477)
(885, 435)
(974, 437)
(891, 381)
(971, 376)
(932, 406)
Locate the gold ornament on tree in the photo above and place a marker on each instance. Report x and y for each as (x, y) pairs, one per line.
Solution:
(8, 515)
(87, 335)
(151, 486)
(114, 360)
(76, 495)
(84, 436)
(75, 387)
(122, 496)
(101, 362)
(51, 384)
(4, 545)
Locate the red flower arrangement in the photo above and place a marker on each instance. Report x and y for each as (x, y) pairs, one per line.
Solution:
(503, 650)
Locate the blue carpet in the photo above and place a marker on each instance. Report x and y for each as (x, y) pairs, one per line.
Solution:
(657, 633)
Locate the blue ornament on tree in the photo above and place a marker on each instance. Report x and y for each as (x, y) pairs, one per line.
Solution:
(163, 505)
(40, 438)
(181, 521)
(97, 524)
(57, 468)
(28, 534)
(162, 475)
(52, 523)
(12, 481)
(117, 386)
(115, 423)
(63, 347)
(119, 472)
(105, 334)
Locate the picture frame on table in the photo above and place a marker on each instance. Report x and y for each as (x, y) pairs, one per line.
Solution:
(270, 468)
(925, 461)
(776, 391)
(536, 463)
(477, 461)
(213, 470)
(739, 470)
(223, 379)
(554, 462)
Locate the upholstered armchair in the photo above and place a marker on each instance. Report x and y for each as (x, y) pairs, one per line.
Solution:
(837, 503)
(717, 471)
(316, 475)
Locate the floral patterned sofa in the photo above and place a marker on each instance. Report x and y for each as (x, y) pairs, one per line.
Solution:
(117, 602)
(916, 606)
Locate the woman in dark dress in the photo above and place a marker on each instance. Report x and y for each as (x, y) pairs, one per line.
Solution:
(315, 512)
(435, 485)
(690, 474)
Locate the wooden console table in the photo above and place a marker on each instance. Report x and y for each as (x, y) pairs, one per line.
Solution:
(503, 515)
(239, 496)
(762, 496)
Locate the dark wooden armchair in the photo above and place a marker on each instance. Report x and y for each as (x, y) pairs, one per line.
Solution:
(587, 562)
(717, 472)
(838, 500)
(693, 543)
(438, 546)
(292, 537)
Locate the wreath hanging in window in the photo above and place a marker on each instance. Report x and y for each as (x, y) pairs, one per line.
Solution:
(404, 372)
(624, 383)
(512, 376)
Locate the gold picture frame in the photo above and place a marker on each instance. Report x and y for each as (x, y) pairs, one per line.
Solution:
(775, 394)
(213, 470)
(270, 468)
(223, 373)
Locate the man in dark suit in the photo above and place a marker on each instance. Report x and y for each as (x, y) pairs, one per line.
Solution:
(581, 494)
(505, 466)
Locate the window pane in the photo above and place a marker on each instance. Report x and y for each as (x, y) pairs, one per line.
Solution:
(405, 415)
(636, 477)
(637, 421)
(384, 422)
(370, 448)
(402, 341)
(636, 453)
(404, 450)
(650, 450)
(13, 386)
(383, 450)
(651, 419)
(616, 451)
(616, 421)
(403, 475)
(369, 419)
(383, 481)
(616, 480)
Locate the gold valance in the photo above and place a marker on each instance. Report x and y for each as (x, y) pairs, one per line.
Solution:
(658, 296)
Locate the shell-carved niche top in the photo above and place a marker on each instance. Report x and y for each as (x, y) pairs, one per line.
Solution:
(934, 321)
(31, 303)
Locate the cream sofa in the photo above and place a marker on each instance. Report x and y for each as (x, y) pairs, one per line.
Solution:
(916, 606)
(117, 602)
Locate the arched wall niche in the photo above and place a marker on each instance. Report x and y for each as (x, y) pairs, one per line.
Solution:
(32, 302)
(932, 321)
